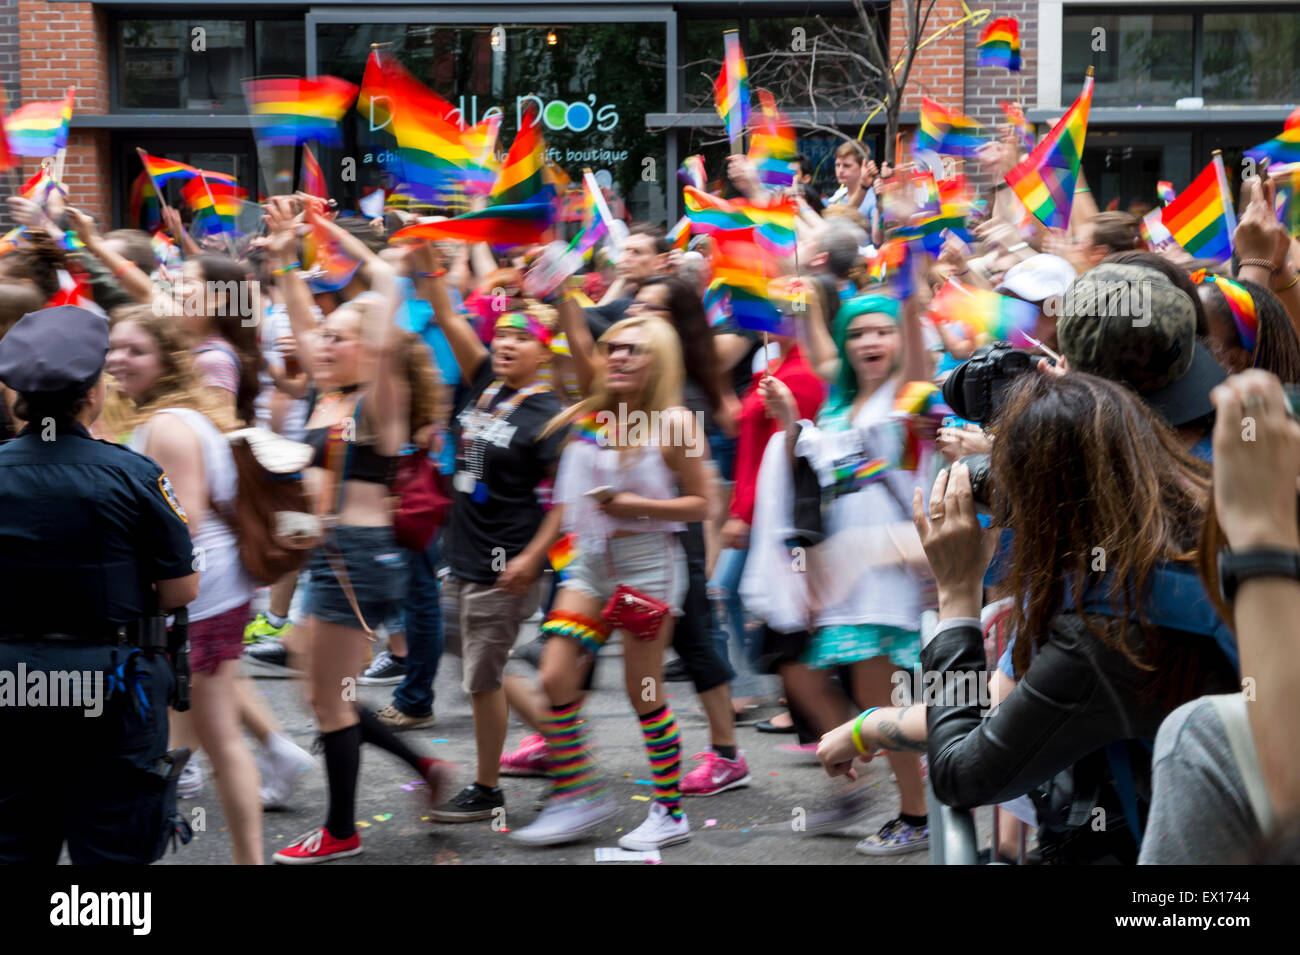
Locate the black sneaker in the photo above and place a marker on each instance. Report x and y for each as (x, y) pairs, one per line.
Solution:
(470, 805)
(268, 658)
(384, 670)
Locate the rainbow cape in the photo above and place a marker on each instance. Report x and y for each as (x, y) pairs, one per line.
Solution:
(1045, 180)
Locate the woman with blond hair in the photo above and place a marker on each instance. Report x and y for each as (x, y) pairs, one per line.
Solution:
(629, 480)
(179, 424)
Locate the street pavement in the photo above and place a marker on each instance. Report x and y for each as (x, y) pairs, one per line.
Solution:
(753, 825)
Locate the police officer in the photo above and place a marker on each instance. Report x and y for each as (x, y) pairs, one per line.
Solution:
(92, 543)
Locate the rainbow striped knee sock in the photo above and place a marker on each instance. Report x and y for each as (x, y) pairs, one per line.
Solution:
(664, 748)
(572, 770)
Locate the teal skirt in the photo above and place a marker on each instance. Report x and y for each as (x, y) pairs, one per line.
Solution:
(849, 643)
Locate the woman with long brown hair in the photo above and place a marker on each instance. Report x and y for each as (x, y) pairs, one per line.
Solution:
(218, 304)
(1113, 628)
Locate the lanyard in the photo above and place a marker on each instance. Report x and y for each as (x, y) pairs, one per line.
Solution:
(473, 443)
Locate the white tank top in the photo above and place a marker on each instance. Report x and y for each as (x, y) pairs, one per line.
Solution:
(223, 583)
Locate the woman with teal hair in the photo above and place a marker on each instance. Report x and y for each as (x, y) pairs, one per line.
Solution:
(873, 626)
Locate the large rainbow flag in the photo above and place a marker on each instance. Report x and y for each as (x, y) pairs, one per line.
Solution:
(999, 44)
(1045, 180)
(288, 112)
(1201, 218)
(41, 128)
(731, 88)
(523, 178)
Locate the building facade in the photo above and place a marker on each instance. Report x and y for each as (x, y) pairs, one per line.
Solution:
(623, 86)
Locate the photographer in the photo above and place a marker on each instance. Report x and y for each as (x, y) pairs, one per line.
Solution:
(1080, 468)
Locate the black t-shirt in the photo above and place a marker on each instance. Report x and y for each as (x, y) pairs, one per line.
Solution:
(514, 462)
(601, 317)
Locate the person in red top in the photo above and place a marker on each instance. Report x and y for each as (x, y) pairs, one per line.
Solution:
(754, 430)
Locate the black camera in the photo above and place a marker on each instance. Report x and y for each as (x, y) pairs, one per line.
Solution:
(975, 387)
(981, 483)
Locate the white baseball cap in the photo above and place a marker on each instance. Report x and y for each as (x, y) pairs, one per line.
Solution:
(1038, 277)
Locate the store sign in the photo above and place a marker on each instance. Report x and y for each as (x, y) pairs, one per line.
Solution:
(557, 115)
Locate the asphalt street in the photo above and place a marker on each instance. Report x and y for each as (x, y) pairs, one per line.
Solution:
(753, 825)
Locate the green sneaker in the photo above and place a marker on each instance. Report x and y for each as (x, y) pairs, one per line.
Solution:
(260, 629)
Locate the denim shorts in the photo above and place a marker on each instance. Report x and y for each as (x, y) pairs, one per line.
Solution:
(651, 563)
(375, 567)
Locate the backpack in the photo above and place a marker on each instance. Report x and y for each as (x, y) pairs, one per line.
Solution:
(271, 517)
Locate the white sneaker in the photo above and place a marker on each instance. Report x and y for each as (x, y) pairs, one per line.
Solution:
(190, 783)
(659, 829)
(565, 820)
(281, 764)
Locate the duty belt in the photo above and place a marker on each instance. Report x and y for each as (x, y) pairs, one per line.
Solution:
(146, 633)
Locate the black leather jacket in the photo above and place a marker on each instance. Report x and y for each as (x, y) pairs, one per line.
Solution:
(1076, 697)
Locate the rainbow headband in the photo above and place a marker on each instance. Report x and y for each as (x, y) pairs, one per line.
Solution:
(1239, 302)
(526, 323)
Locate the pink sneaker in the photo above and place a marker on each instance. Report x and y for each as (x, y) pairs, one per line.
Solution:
(715, 775)
(528, 760)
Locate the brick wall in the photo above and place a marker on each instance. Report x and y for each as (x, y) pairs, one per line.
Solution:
(939, 70)
(987, 86)
(62, 45)
(9, 76)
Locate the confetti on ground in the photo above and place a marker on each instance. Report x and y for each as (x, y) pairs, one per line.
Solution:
(383, 817)
(774, 774)
(424, 818)
(619, 829)
(643, 782)
(654, 861)
(627, 775)
(362, 824)
(641, 798)
(439, 741)
(710, 822)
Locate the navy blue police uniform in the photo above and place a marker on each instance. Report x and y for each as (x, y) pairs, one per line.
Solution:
(86, 527)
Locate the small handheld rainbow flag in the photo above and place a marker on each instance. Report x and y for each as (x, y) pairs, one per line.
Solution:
(999, 44)
(731, 89)
(773, 225)
(947, 131)
(142, 206)
(1165, 190)
(40, 129)
(163, 171)
(216, 205)
(691, 171)
(522, 180)
(326, 267)
(772, 147)
(287, 112)
(313, 177)
(857, 475)
(1201, 218)
(562, 553)
(742, 269)
(1016, 117)
(1000, 317)
(715, 306)
(1045, 180)
(1285, 147)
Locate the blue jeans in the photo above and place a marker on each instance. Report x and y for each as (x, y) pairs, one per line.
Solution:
(725, 587)
(423, 612)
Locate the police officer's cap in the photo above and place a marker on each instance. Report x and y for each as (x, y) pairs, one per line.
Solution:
(54, 349)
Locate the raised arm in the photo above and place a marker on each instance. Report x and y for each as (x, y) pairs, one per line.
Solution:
(282, 249)
(470, 352)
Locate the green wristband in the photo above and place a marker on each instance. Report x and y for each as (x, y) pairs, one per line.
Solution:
(857, 731)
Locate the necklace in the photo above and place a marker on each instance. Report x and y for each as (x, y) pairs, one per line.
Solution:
(474, 435)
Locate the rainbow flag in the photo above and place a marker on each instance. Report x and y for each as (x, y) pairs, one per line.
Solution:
(856, 475)
(892, 264)
(163, 171)
(1000, 317)
(773, 225)
(481, 142)
(313, 177)
(37, 188)
(1165, 190)
(715, 306)
(431, 154)
(562, 553)
(326, 267)
(143, 211)
(731, 88)
(999, 45)
(216, 205)
(741, 268)
(1288, 206)
(287, 112)
(772, 147)
(41, 128)
(522, 224)
(1045, 180)
(9, 241)
(691, 171)
(1016, 117)
(679, 236)
(943, 130)
(1201, 219)
(1285, 148)
(522, 180)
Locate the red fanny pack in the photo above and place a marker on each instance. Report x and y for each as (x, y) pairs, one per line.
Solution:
(637, 613)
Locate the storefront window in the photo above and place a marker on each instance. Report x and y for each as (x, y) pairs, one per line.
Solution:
(200, 64)
(1140, 59)
(702, 53)
(594, 85)
(1251, 57)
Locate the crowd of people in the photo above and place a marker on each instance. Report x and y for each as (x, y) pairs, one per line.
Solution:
(1074, 541)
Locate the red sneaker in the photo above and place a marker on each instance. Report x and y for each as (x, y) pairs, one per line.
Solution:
(528, 760)
(318, 846)
(715, 775)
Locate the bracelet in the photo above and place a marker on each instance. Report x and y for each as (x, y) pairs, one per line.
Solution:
(1082, 189)
(1018, 246)
(1294, 278)
(287, 268)
(437, 274)
(857, 732)
(1260, 264)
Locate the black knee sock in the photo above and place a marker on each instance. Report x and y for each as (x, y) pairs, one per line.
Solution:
(342, 764)
(377, 734)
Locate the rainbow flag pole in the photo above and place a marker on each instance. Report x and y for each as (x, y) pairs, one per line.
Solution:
(162, 197)
(616, 232)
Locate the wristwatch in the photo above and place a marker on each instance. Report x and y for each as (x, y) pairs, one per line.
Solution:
(1236, 567)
